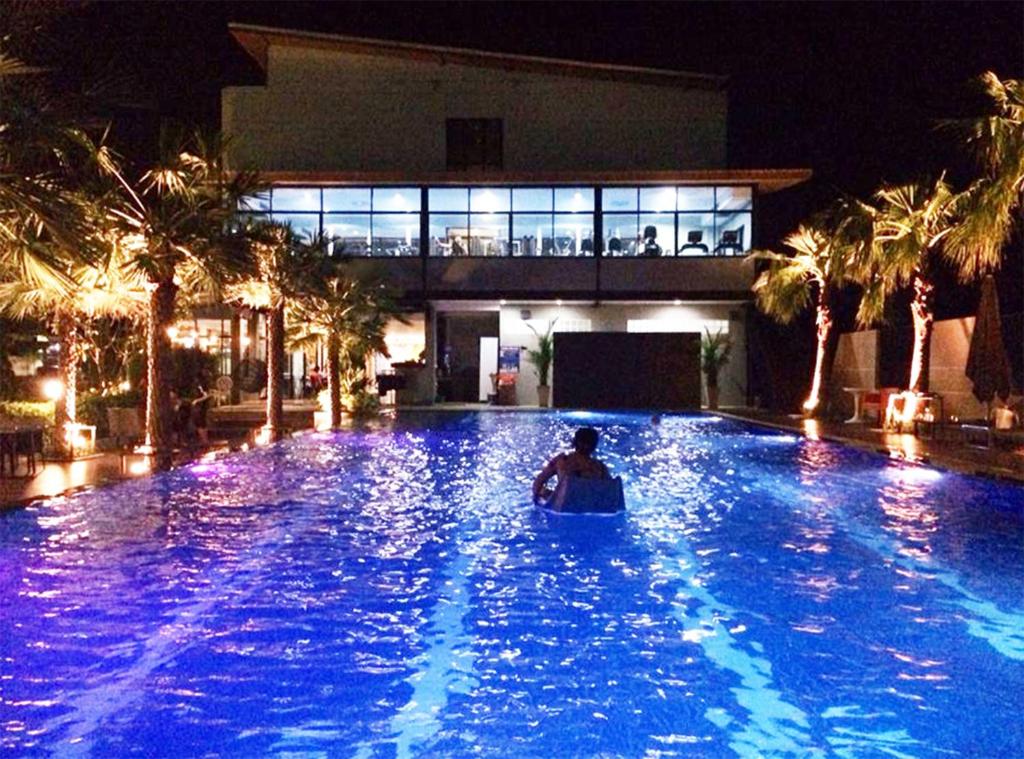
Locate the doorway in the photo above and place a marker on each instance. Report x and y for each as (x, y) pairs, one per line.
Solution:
(459, 346)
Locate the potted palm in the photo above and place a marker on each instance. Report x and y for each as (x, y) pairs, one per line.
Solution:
(714, 354)
(541, 360)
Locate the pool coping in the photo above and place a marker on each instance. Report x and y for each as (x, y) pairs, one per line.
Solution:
(935, 459)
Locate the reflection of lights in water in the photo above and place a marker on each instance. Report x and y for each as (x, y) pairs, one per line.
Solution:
(913, 474)
(811, 429)
(903, 446)
(786, 439)
(712, 419)
(583, 415)
(138, 467)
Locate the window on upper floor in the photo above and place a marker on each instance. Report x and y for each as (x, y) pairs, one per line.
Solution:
(474, 144)
(677, 221)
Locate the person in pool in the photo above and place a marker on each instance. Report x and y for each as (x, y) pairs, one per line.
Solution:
(578, 463)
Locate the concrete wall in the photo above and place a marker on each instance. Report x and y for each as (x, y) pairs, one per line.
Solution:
(857, 357)
(614, 318)
(951, 342)
(855, 365)
(325, 110)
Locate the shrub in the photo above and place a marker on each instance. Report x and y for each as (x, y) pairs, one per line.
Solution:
(92, 408)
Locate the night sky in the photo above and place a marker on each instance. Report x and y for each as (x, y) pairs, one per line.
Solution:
(850, 90)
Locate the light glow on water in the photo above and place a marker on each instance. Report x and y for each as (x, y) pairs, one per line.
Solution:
(391, 591)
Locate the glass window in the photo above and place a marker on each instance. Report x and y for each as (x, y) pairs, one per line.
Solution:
(658, 233)
(259, 202)
(619, 199)
(658, 199)
(734, 198)
(696, 234)
(574, 199)
(448, 199)
(401, 199)
(733, 231)
(303, 224)
(449, 234)
(396, 234)
(489, 200)
(351, 233)
(574, 235)
(696, 199)
(346, 199)
(532, 199)
(621, 234)
(488, 234)
(296, 199)
(532, 234)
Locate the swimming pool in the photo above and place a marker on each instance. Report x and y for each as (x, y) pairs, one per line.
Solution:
(391, 592)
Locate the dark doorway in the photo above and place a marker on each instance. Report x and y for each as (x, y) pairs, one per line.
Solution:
(627, 370)
(458, 353)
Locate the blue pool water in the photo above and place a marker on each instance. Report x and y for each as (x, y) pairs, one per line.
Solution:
(390, 592)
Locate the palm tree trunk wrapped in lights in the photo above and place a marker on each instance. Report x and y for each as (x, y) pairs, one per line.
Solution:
(65, 411)
(159, 414)
(334, 380)
(923, 314)
(274, 428)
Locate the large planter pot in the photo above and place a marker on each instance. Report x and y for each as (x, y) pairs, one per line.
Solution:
(713, 397)
(543, 395)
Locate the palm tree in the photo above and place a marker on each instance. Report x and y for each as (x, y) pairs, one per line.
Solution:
(817, 266)
(43, 151)
(996, 139)
(911, 224)
(349, 315)
(104, 289)
(180, 211)
(280, 264)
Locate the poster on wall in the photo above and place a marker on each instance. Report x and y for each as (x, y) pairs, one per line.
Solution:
(508, 359)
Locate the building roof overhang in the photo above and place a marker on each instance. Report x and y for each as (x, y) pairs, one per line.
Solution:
(766, 180)
(257, 40)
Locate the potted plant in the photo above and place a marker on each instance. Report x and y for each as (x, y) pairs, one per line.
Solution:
(714, 354)
(541, 360)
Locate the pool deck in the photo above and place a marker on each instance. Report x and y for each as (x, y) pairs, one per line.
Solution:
(946, 451)
(55, 478)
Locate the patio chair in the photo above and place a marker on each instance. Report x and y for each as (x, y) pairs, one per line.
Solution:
(877, 401)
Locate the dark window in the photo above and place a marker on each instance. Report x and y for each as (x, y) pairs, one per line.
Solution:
(474, 144)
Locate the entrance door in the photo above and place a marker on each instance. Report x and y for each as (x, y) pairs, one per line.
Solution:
(459, 357)
(488, 365)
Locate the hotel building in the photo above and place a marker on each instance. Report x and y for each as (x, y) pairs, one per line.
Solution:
(503, 194)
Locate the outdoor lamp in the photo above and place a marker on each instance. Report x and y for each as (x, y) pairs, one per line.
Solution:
(53, 389)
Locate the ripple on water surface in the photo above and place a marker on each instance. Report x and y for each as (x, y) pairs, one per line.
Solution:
(391, 592)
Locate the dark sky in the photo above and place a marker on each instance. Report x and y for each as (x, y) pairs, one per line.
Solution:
(850, 90)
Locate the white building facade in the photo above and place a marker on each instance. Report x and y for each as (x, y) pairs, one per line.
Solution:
(502, 192)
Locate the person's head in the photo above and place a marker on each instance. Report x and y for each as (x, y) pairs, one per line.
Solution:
(585, 440)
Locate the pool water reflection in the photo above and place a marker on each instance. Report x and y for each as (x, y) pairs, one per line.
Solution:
(391, 592)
